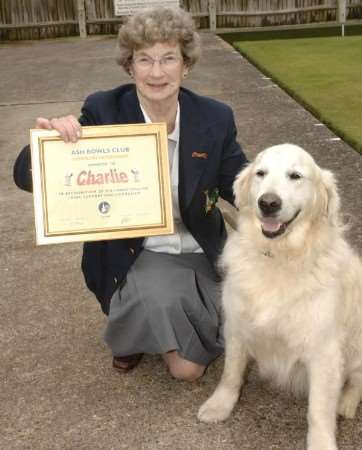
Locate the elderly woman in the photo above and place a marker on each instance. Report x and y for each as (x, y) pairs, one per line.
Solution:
(162, 294)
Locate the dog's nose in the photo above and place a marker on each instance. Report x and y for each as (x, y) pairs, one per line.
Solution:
(269, 204)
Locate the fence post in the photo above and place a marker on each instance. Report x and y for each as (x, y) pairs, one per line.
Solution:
(212, 15)
(82, 19)
(342, 14)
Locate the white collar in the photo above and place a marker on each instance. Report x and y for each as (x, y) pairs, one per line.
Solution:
(175, 134)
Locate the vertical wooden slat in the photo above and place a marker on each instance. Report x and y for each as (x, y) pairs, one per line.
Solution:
(342, 11)
(342, 14)
(82, 19)
(90, 9)
(212, 15)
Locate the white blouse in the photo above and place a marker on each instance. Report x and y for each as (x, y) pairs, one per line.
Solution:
(181, 241)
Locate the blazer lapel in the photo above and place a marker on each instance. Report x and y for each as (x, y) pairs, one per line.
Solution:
(193, 151)
(129, 110)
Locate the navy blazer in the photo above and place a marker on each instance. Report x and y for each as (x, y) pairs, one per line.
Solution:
(206, 126)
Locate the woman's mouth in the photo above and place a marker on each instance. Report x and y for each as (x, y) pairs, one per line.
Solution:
(157, 87)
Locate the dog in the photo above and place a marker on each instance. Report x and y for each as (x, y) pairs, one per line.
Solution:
(292, 292)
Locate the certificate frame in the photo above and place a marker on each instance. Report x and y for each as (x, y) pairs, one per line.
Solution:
(113, 183)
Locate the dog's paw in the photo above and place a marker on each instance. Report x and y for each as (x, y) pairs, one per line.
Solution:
(348, 403)
(217, 408)
(211, 412)
(323, 447)
(321, 441)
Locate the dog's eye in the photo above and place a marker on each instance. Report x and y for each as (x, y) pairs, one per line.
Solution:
(260, 173)
(295, 176)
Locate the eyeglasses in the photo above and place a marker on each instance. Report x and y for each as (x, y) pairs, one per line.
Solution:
(166, 62)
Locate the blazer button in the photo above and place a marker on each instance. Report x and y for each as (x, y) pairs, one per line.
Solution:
(131, 250)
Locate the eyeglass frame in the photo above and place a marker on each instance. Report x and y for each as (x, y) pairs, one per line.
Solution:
(150, 62)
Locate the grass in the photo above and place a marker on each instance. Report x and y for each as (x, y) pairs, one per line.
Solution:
(321, 70)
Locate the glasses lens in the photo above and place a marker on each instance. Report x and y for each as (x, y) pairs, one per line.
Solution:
(146, 62)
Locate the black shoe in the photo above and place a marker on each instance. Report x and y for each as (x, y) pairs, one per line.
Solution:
(126, 363)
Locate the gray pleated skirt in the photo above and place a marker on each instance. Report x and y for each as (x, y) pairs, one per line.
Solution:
(169, 302)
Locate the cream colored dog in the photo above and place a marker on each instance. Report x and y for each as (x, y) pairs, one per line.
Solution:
(292, 294)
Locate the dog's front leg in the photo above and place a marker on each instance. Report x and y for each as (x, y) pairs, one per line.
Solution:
(219, 406)
(325, 383)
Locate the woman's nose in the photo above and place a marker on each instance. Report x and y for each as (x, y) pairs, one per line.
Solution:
(156, 69)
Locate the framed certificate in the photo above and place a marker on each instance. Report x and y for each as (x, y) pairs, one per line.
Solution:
(113, 183)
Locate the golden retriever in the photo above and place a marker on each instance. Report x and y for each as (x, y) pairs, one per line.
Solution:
(292, 293)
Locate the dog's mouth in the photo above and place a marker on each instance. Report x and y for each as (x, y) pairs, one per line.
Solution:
(271, 227)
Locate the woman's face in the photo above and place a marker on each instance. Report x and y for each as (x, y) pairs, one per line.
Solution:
(158, 72)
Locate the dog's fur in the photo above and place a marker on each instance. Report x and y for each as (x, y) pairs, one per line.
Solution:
(292, 295)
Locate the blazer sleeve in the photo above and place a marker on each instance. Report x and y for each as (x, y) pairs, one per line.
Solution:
(233, 160)
(88, 113)
(22, 170)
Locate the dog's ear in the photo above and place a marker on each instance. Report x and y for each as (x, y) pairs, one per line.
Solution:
(241, 186)
(332, 201)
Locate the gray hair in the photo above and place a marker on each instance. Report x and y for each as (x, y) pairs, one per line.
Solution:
(158, 24)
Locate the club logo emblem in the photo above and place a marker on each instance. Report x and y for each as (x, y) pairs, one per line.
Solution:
(68, 179)
(104, 208)
(136, 175)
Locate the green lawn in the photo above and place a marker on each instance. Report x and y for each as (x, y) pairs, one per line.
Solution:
(322, 73)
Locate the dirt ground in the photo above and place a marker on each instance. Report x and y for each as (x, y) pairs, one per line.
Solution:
(58, 389)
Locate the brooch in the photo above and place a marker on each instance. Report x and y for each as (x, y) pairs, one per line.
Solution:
(211, 199)
(201, 155)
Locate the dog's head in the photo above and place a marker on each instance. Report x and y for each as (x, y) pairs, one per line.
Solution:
(284, 187)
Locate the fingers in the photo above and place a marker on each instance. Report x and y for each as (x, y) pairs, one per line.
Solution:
(43, 123)
(68, 127)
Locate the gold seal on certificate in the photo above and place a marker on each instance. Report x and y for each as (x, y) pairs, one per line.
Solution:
(113, 183)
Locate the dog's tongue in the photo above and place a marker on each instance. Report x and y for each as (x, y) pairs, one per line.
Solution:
(270, 224)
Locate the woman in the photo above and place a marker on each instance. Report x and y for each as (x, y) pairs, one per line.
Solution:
(162, 294)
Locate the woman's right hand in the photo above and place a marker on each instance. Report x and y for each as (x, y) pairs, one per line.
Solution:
(68, 127)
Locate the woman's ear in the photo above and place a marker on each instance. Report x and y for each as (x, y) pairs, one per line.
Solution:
(186, 67)
(241, 186)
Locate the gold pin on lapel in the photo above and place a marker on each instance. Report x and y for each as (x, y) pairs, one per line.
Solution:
(201, 155)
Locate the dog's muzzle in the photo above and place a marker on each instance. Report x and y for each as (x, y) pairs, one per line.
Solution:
(269, 205)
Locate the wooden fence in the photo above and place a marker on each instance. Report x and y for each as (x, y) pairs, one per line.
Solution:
(230, 14)
(36, 19)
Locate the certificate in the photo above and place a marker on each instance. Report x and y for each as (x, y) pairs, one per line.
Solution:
(113, 183)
